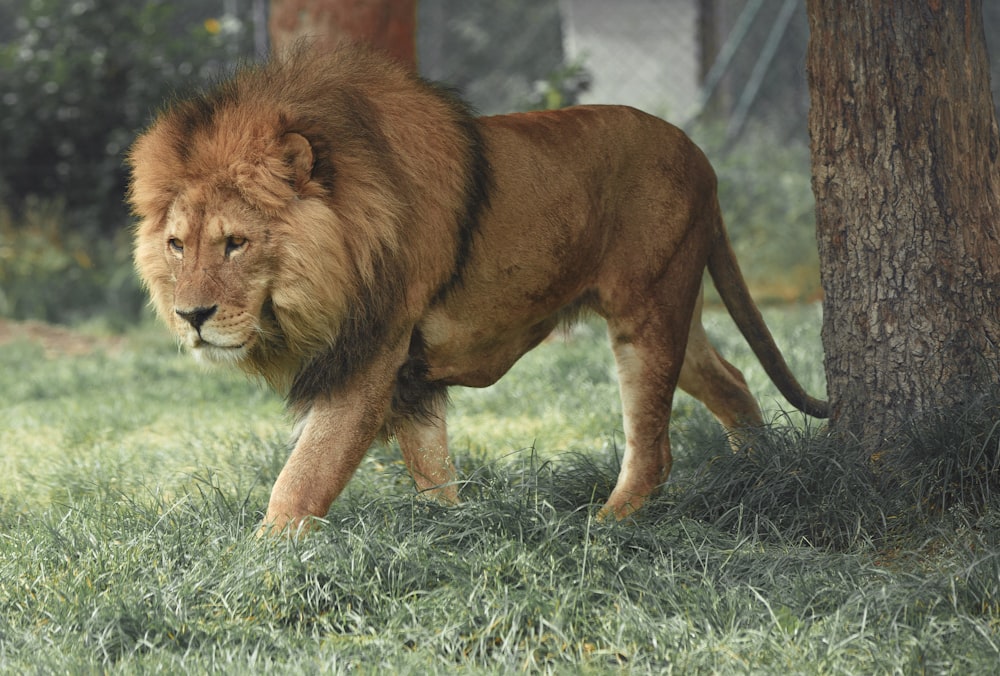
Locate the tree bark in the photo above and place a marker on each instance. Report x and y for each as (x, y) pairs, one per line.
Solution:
(904, 160)
(389, 25)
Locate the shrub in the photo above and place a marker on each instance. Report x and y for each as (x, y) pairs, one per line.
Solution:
(948, 459)
(767, 202)
(50, 272)
(78, 80)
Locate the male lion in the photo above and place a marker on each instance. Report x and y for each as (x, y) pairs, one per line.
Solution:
(353, 235)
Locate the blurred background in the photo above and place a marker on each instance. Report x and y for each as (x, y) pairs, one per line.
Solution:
(80, 78)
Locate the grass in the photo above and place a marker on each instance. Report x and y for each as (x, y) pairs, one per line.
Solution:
(133, 482)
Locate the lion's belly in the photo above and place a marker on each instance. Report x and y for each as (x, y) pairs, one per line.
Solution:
(477, 356)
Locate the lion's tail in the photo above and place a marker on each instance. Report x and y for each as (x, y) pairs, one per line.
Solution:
(732, 287)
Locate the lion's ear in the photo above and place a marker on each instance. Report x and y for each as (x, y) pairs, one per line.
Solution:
(298, 157)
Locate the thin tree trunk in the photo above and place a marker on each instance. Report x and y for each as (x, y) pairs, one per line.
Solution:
(904, 152)
(389, 25)
(710, 40)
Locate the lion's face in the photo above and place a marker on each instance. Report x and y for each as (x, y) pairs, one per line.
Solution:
(215, 249)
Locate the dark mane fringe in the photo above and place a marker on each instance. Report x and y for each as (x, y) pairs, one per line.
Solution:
(478, 188)
(415, 397)
(369, 325)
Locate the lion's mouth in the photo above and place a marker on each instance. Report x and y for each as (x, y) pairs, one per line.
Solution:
(206, 351)
(202, 343)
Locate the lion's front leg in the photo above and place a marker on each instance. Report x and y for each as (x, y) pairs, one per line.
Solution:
(423, 441)
(337, 431)
(335, 437)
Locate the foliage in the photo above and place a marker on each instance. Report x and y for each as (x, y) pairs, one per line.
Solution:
(77, 81)
(561, 88)
(128, 519)
(51, 272)
(767, 201)
(949, 459)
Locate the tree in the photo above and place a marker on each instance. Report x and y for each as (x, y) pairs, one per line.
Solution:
(387, 24)
(904, 153)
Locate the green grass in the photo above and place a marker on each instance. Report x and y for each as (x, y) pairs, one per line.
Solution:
(133, 482)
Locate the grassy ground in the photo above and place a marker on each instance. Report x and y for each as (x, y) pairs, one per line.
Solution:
(132, 483)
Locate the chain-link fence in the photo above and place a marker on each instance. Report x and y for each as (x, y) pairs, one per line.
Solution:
(735, 65)
(77, 80)
(738, 61)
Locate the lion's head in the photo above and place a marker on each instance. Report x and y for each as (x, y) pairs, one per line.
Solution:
(279, 228)
(224, 251)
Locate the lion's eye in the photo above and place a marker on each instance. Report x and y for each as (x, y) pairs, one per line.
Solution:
(175, 245)
(235, 243)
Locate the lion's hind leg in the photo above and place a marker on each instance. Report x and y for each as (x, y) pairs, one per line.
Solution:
(423, 440)
(648, 369)
(719, 385)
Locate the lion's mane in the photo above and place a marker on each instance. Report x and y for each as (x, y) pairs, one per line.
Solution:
(362, 235)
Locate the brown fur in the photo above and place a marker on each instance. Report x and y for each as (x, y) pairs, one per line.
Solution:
(350, 233)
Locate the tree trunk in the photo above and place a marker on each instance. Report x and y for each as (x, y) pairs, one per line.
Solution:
(904, 155)
(389, 25)
(710, 40)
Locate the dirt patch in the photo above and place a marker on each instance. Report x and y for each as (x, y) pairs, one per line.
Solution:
(57, 341)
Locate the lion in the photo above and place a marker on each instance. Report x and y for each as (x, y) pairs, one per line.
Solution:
(353, 235)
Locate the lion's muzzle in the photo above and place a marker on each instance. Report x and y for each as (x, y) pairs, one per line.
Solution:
(211, 334)
(196, 317)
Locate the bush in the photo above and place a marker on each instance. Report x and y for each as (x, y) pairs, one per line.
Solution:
(50, 272)
(78, 80)
(767, 202)
(948, 459)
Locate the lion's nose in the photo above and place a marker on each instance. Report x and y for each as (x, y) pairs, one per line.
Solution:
(197, 316)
